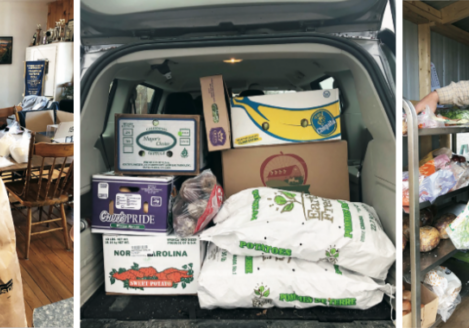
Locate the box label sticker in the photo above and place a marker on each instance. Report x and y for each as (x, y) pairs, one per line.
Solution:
(217, 136)
(248, 139)
(156, 201)
(157, 145)
(128, 201)
(103, 190)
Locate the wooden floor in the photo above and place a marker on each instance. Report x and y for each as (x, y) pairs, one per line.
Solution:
(48, 274)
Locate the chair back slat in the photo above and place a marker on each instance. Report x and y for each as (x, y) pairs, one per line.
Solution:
(30, 159)
(41, 171)
(50, 178)
(68, 180)
(58, 182)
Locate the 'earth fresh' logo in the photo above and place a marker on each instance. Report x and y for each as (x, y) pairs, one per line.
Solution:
(323, 123)
(156, 140)
(286, 200)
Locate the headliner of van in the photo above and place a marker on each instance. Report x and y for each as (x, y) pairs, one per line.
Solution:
(271, 71)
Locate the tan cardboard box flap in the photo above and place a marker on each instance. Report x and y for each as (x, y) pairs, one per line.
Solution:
(429, 310)
(64, 116)
(318, 168)
(216, 103)
(38, 121)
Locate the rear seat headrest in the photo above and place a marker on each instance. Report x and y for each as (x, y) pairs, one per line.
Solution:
(180, 103)
(251, 92)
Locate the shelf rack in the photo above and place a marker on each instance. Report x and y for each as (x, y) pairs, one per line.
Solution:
(416, 264)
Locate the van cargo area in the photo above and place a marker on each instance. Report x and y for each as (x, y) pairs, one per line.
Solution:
(269, 65)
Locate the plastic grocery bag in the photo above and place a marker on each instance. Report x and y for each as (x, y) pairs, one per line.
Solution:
(5, 142)
(197, 203)
(405, 188)
(427, 119)
(458, 230)
(12, 311)
(19, 150)
(266, 221)
(447, 287)
(439, 183)
(231, 281)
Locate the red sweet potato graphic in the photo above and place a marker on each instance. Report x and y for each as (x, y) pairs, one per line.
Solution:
(169, 277)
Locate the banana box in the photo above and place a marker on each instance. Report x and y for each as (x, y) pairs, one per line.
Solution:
(307, 116)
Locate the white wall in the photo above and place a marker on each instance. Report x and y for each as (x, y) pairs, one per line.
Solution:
(18, 19)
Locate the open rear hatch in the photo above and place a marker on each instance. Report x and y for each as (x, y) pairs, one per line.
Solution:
(130, 21)
(169, 25)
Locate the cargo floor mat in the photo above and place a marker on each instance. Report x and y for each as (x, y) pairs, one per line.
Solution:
(102, 309)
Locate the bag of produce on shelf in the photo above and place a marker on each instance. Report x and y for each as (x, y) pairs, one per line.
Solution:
(12, 310)
(266, 221)
(458, 230)
(232, 281)
(434, 165)
(197, 203)
(427, 119)
(447, 287)
(405, 188)
(439, 183)
(435, 153)
(454, 113)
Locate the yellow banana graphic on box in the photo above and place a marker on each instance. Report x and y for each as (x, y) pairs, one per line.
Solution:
(293, 124)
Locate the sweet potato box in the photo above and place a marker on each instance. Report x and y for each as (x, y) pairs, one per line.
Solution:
(152, 265)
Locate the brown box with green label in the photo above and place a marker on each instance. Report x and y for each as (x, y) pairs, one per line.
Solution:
(316, 168)
(216, 103)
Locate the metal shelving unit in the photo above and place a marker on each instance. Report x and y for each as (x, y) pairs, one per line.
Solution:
(416, 264)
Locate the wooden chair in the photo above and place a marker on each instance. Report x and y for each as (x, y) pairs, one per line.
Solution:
(43, 188)
(6, 112)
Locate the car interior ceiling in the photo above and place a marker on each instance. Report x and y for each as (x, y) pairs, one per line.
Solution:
(364, 123)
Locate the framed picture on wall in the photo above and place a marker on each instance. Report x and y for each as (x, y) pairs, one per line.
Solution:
(6, 49)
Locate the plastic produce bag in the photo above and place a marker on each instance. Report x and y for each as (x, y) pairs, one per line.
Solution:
(458, 230)
(19, 150)
(405, 188)
(231, 281)
(427, 119)
(439, 183)
(447, 287)
(12, 311)
(434, 165)
(198, 201)
(266, 221)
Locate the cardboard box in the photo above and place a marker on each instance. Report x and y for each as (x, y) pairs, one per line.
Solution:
(165, 265)
(216, 103)
(158, 144)
(318, 168)
(131, 205)
(429, 310)
(286, 118)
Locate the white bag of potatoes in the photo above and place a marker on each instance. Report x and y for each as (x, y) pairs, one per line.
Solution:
(265, 221)
(232, 281)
